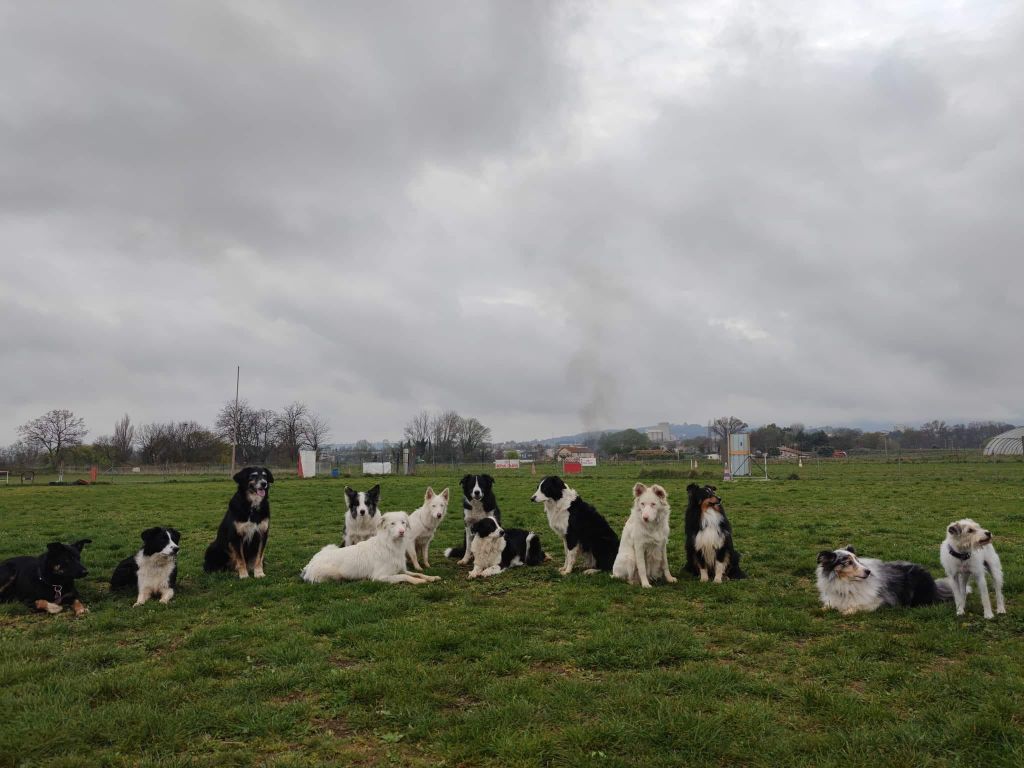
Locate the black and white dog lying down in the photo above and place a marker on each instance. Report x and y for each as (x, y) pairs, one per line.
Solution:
(850, 584)
(496, 549)
(478, 502)
(153, 570)
(584, 531)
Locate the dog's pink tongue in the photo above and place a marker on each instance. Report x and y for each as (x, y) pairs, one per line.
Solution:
(261, 492)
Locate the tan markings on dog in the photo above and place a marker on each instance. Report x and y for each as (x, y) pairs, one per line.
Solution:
(264, 526)
(46, 605)
(79, 609)
(850, 570)
(238, 562)
(245, 530)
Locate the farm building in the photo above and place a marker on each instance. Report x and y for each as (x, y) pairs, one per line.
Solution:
(1007, 444)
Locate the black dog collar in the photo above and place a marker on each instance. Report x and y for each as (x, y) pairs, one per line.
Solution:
(958, 555)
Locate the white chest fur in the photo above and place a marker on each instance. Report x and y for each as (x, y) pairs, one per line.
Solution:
(709, 538)
(154, 571)
(558, 512)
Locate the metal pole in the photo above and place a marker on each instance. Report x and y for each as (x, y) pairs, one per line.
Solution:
(234, 442)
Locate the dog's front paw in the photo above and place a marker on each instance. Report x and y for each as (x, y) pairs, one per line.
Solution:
(989, 615)
(645, 584)
(960, 611)
(463, 561)
(671, 579)
(258, 574)
(565, 571)
(243, 575)
(1001, 609)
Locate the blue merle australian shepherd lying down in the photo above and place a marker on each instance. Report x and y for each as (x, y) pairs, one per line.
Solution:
(851, 584)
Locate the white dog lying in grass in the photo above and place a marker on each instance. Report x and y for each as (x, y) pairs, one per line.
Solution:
(381, 558)
(423, 524)
(643, 548)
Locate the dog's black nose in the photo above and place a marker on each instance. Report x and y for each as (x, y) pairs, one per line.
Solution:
(866, 573)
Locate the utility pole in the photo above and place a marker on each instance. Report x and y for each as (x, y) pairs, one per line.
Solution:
(234, 440)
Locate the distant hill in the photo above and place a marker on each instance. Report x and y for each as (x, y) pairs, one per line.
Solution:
(679, 432)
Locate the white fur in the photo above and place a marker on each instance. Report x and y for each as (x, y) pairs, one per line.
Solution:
(864, 592)
(643, 548)
(709, 540)
(557, 511)
(487, 551)
(381, 558)
(967, 537)
(362, 526)
(423, 524)
(154, 574)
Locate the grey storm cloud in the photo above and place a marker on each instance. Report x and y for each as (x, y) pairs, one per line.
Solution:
(550, 216)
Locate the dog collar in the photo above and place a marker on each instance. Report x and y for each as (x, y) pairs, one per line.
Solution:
(958, 555)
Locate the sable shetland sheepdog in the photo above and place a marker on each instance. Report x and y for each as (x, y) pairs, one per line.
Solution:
(153, 570)
(967, 551)
(709, 544)
(583, 530)
(850, 584)
(243, 533)
(478, 502)
(361, 520)
(496, 549)
(643, 549)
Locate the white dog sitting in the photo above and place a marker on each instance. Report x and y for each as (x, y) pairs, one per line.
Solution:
(967, 551)
(643, 548)
(381, 558)
(423, 523)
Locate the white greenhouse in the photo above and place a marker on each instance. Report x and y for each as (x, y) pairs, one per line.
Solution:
(1007, 444)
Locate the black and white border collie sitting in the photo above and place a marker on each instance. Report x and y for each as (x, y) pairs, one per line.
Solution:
(851, 584)
(584, 532)
(361, 522)
(242, 537)
(478, 502)
(496, 549)
(153, 570)
(709, 546)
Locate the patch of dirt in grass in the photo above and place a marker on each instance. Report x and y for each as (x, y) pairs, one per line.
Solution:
(343, 662)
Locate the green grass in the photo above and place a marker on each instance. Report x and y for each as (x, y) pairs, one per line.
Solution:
(527, 668)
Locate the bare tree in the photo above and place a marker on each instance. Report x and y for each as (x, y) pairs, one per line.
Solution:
(315, 432)
(123, 440)
(444, 431)
(417, 431)
(725, 426)
(473, 438)
(256, 429)
(290, 424)
(54, 432)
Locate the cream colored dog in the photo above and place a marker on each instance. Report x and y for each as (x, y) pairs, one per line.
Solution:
(423, 524)
(643, 548)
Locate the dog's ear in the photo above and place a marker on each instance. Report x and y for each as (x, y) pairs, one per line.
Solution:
(445, 495)
(692, 489)
(465, 479)
(826, 557)
(55, 548)
(849, 548)
(638, 489)
(80, 544)
(175, 535)
(241, 475)
(149, 533)
(429, 493)
(488, 478)
(659, 492)
(374, 493)
(954, 530)
(270, 475)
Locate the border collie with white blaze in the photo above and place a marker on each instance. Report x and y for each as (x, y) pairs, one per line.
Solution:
(361, 520)
(244, 531)
(583, 530)
(496, 549)
(478, 502)
(153, 570)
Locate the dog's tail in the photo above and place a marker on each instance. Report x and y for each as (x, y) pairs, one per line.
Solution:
(534, 552)
(944, 589)
(455, 552)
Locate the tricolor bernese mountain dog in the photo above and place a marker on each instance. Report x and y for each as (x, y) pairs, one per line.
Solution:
(478, 502)
(709, 546)
(583, 530)
(153, 570)
(242, 537)
(46, 582)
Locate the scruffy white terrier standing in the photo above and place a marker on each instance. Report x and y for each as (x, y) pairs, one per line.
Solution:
(967, 551)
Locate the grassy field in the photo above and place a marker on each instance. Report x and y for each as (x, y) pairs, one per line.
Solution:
(527, 668)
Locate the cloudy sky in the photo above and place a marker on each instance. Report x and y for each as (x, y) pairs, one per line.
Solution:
(550, 216)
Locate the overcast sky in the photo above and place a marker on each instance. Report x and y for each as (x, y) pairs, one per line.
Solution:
(548, 216)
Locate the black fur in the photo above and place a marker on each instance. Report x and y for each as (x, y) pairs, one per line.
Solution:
(903, 583)
(587, 528)
(486, 501)
(50, 576)
(154, 540)
(230, 550)
(520, 544)
(696, 495)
